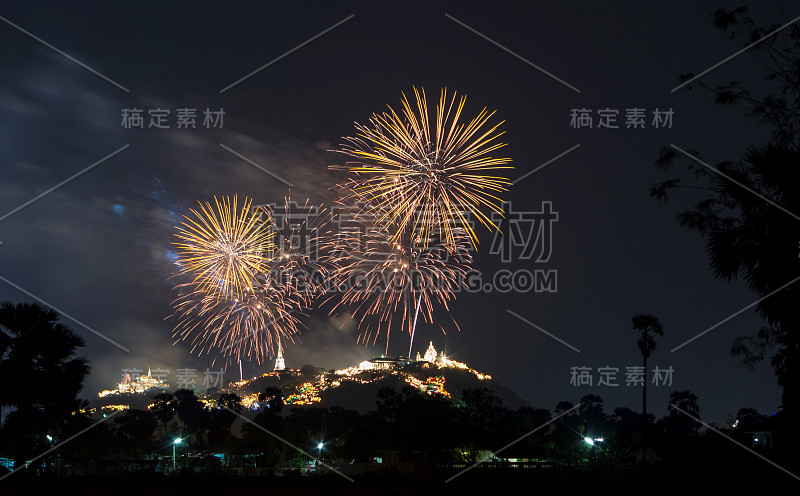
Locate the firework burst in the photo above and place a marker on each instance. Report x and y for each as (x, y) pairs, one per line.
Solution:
(301, 233)
(250, 326)
(431, 177)
(386, 279)
(229, 302)
(223, 248)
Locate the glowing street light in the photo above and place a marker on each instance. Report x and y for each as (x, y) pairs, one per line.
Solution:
(175, 443)
(589, 441)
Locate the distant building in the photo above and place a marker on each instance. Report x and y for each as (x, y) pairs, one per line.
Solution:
(279, 363)
(432, 357)
(384, 363)
(142, 384)
(388, 363)
(430, 353)
(763, 438)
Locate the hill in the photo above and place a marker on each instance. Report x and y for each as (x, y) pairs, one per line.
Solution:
(354, 388)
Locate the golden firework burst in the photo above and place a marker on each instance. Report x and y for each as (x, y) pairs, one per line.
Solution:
(223, 247)
(428, 176)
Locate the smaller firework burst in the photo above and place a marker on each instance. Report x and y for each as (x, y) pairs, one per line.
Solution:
(222, 248)
(385, 280)
(248, 326)
(301, 233)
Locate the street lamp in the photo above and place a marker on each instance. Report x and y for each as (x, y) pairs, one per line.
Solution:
(175, 443)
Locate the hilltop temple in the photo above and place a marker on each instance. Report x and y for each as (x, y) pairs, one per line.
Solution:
(141, 384)
(279, 363)
(387, 363)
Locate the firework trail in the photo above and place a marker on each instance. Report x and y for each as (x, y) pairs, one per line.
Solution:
(431, 177)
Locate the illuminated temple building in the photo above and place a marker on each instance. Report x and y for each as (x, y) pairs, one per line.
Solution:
(386, 363)
(141, 384)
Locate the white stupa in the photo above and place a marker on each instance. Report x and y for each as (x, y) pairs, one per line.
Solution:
(279, 363)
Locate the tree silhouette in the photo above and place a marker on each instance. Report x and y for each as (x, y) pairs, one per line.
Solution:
(40, 355)
(753, 237)
(164, 408)
(749, 418)
(273, 398)
(594, 419)
(222, 418)
(677, 422)
(191, 412)
(135, 428)
(646, 326)
(5, 344)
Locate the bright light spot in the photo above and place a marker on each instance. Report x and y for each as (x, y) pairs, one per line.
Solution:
(598, 439)
(50, 438)
(319, 446)
(177, 440)
(589, 441)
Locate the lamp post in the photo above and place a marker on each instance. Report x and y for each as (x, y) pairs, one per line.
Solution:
(175, 443)
(593, 443)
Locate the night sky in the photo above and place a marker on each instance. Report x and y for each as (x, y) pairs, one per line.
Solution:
(99, 247)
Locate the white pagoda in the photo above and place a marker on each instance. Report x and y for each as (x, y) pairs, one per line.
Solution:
(279, 363)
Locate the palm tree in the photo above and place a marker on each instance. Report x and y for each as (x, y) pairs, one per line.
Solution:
(40, 352)
(191, 412)
(646, 326)
(754, 241)
(761, 249)
(164, 408)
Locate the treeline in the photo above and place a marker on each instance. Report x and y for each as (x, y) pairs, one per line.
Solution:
(405, 426)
